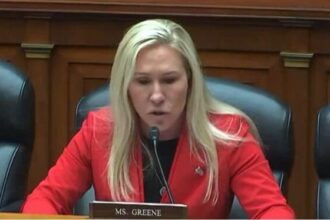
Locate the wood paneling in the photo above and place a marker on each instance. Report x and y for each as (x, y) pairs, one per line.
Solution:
(75, 71)
(314, 9)
(257, 69)
(240, 40)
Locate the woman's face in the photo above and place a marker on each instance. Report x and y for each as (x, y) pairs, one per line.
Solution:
(158, 90)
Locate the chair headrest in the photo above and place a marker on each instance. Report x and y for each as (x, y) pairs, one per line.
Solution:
(16, 106)
(322, 143)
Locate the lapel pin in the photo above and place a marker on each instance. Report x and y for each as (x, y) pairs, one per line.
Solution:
(199, 171)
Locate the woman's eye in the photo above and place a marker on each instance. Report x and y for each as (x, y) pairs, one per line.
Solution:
(169, 80)
(143, 81)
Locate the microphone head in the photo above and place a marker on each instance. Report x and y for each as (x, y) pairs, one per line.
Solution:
(154, 133)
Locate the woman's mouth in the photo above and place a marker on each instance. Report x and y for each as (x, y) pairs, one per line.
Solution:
(158, 113)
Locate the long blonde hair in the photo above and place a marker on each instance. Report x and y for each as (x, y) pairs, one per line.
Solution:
(202, 134)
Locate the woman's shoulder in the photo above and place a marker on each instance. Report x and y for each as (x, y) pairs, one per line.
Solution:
(99, 119)
(97, 128)
(238, 125)
(102, 113)
(231, 123)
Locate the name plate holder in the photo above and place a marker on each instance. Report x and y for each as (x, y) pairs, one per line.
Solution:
(135, 210)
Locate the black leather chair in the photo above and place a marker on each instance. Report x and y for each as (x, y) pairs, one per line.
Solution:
(271, 116)
(16, 135)
(322, 163)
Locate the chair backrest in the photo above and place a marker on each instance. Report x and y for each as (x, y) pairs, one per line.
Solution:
(271, 116)
(322, 163)
(16, 135)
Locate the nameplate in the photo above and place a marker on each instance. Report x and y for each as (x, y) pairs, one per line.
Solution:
(135, 210)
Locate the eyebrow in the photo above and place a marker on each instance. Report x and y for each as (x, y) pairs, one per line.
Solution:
(141, 73)
(163, 74)
(171, 73)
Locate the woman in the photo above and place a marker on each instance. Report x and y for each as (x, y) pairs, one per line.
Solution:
(208, 149)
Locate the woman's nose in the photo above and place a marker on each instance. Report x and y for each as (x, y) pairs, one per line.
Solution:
(157, 95)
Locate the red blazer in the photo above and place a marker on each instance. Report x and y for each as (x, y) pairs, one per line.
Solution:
(243, 170)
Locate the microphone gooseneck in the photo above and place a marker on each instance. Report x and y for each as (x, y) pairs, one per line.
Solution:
(154, 136)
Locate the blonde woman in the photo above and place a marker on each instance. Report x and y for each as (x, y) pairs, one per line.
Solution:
(157, 81)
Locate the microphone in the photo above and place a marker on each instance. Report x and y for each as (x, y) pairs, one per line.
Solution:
(154, 136)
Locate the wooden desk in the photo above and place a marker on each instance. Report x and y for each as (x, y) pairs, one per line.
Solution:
(5, 215)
